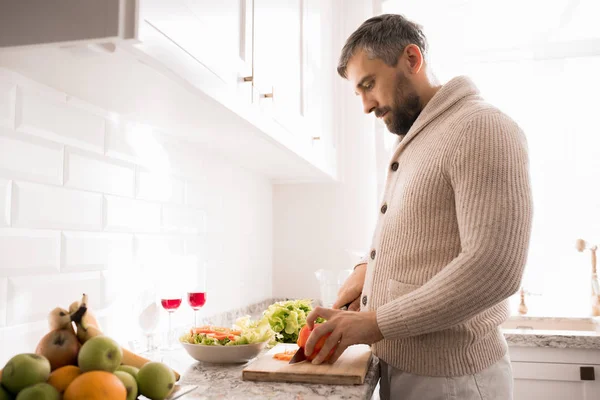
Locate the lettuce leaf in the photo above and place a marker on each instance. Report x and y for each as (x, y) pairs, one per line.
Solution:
(286, 318)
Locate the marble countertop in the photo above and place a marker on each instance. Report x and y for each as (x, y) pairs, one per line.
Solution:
(224, 381)
(552, 332)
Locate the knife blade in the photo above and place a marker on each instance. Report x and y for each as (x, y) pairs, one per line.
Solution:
(180, 390)
(299, 356)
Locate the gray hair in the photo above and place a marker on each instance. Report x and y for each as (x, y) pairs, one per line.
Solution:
(385, 37)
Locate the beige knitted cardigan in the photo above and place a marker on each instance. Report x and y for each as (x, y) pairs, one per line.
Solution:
(451, 238)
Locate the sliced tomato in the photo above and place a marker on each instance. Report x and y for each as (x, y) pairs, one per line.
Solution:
(202, 330)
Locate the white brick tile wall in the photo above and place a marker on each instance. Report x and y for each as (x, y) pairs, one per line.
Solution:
(139, 143)
(183, 220)
(3, 298)
(159, 187)
(85, 205)
(59, 121)
(5, 200)
(30, 158)
(42, 206)
(7, 103)
(99, 174)
(94, 251)
(151, 247)
(22, 339)
(203, 195)
(17, 257)
(30, 298)
(185, 159)
(120, 141)
(209, 246)
(131, 215)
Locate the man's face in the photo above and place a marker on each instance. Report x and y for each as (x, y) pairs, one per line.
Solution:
(384, 90)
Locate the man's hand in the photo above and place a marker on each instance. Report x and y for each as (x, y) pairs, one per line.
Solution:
(351, 290)
(346, 327)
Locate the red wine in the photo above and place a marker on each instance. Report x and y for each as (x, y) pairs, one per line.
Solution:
(197, 299)
(170, 304)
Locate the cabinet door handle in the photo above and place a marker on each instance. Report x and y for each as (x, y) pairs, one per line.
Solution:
(587, 373)
(267, 96)
(248, 79)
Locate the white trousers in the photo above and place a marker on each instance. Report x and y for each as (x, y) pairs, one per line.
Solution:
(493, 383)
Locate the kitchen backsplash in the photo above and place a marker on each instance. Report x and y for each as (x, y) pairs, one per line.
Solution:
(89, 200)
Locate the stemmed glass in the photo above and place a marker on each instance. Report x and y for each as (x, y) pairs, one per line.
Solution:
(170, 301)
(196, 296)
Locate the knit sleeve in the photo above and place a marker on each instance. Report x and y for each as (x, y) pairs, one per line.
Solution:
(490, 180)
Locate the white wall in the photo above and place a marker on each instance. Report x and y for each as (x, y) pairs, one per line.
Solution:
(89, 200)
(320, 225)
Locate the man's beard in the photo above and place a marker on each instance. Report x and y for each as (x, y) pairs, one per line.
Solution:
(402, 116)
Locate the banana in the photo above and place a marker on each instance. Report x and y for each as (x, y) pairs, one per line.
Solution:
(59, 318)
(87, 328)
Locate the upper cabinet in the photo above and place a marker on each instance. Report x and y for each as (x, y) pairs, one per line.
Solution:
(41, 22)
(279, 59)
(216, 34)
(269, 62)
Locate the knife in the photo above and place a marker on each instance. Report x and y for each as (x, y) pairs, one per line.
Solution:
(299, 356)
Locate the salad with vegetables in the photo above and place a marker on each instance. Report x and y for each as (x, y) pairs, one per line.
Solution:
(244, 331)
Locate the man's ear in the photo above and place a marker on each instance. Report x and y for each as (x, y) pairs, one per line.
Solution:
(413, 59)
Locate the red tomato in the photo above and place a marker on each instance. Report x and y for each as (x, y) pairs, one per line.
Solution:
(303, 338)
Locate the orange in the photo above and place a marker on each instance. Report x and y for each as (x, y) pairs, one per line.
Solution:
(96, 385)
(62, 377)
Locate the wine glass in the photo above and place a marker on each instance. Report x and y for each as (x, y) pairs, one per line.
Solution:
(197, 294)
(148, 317)
(170, 301)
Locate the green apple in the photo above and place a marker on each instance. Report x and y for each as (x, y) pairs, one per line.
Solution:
(39, 391)
(156, 380)
(100, 353)
(25, 370)
(130, 384)
(131, 370)
(5, 395)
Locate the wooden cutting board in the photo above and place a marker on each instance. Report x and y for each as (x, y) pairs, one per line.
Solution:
(349, 369)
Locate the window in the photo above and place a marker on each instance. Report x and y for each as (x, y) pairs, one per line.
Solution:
(539, 62)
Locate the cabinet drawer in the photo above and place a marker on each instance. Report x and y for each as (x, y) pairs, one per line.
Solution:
(554, 372)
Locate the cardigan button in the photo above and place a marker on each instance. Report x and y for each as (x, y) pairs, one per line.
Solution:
(395, 166)
(373, 254)
(383, 208)
(364, 300)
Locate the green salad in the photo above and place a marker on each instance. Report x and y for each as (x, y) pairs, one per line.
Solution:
(244, 331)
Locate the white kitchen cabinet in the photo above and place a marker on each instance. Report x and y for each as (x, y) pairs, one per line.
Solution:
(555, 374)
(552, 381)
(279, 59)
(294, 68)
(44, 22)
(216, 34)
(320, 60)
(266, 64)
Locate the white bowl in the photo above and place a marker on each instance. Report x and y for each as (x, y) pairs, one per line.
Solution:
(224, 354)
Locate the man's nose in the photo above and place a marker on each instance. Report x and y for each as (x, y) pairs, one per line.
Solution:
(369, 104)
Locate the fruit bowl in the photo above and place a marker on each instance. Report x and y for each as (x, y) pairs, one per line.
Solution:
(224, 354)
